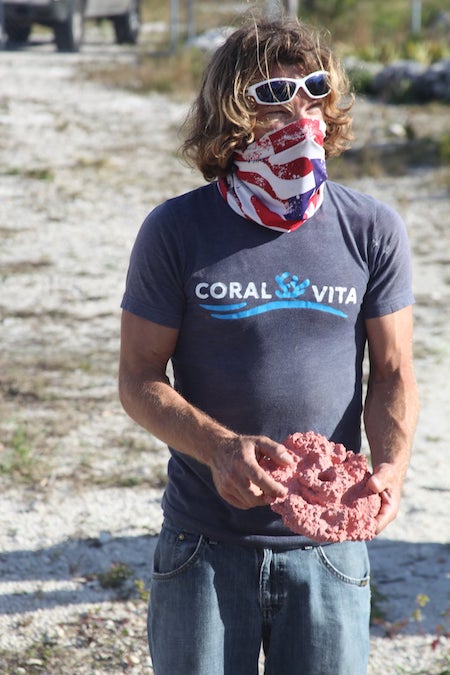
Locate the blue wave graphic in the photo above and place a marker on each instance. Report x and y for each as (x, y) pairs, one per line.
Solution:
(217, 311)
(224, 308)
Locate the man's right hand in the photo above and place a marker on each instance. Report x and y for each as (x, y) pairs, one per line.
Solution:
(237, 474)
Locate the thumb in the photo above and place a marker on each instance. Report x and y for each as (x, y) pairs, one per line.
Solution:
(382, 478)
(376, 484)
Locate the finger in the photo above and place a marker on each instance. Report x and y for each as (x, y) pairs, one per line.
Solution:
(246, 500)
(233, 497)
(234, 483)
(387, 512)
(246, 493)
(257, 495)
(275, 451)
(268, 485)
(380, 479)
(375, 485)
(237, 489)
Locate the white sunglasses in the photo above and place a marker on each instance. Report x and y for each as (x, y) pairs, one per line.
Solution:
(278, 90)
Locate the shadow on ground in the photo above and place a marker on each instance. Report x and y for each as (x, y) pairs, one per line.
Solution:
(406, 574)
(73, 572)
(70, 573)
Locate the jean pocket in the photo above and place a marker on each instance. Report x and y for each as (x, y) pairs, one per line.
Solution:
(175, 551)
(347, 561)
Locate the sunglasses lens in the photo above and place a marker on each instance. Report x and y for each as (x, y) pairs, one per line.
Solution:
(275, 91)
(317, 85)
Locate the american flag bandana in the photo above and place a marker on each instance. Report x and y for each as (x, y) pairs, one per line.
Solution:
(277, 181)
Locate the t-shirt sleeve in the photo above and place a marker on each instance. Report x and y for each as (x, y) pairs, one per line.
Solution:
(154, 284)
(389, 287)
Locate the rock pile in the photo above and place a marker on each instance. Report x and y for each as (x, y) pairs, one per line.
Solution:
(414, 80)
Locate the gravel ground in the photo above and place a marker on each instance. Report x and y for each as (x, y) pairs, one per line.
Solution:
(81, 165)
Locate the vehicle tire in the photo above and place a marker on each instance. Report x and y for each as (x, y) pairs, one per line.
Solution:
(126, 26)
(17, 32)
(69, 33)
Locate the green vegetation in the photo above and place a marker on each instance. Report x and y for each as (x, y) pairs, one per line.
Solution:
(444, 148)
(39, 655)
(115, 576)
(175, 74)
(377, 32)
(377, 612)
(374, 31)
(16, 458)
(142, 590)
(41, 173)
(381, 31)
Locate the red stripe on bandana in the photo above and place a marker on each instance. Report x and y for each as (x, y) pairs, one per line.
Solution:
(279, 192)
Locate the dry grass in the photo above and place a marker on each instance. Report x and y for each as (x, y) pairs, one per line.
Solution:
(175, 74)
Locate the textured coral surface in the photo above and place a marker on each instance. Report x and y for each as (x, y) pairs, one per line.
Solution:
(327, 497)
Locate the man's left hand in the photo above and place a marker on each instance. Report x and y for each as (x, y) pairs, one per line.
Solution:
(387, 482)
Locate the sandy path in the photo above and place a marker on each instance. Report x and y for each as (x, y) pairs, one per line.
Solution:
(81, 165)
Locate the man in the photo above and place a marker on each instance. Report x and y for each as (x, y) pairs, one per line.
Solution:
(263, 288)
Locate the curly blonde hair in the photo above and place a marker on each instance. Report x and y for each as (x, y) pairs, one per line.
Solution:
(222, 118)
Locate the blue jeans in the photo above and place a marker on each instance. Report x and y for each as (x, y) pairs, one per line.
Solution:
(213, 604)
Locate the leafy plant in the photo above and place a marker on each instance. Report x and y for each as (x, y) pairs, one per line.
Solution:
(377, 613)
(444, 148)
(422, 600)
(142, 590)
(115, 576)
(17, 458)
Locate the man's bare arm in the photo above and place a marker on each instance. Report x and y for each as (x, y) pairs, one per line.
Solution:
(391, 407)
(150, 400)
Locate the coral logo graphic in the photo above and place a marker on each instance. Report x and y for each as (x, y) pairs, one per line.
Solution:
(289, 291)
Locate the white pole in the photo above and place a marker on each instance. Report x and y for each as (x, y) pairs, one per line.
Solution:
(273, 8)
(277, 7)
(2, 25)
(416, 17)
(174, 24)
(190, 20)
(292, 7)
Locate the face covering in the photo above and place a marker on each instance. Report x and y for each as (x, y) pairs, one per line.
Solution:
(277, 181)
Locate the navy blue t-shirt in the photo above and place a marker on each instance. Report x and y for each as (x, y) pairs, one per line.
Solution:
(272, 331)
